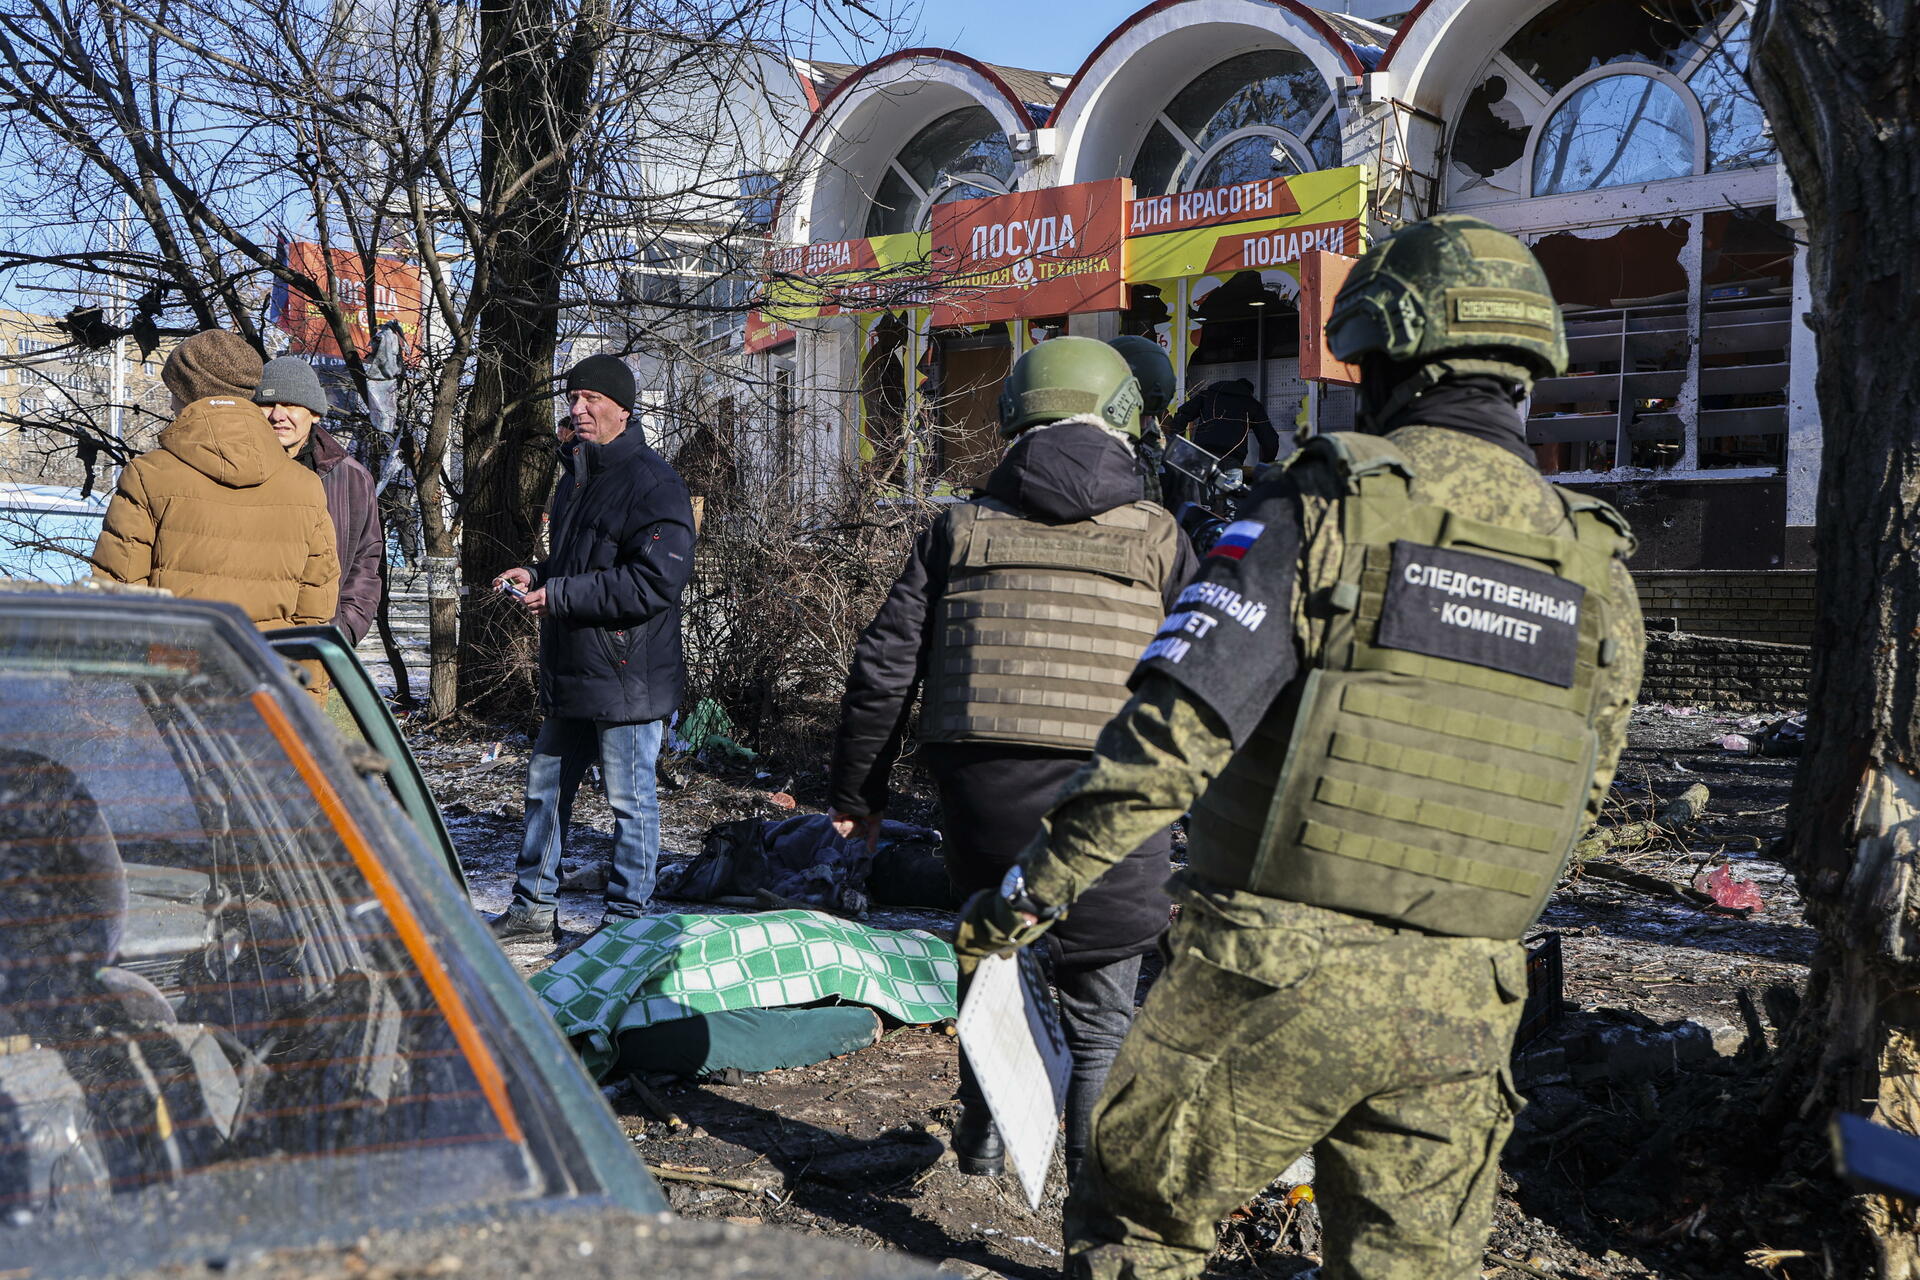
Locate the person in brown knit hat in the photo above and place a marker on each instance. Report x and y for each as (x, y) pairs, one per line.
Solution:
(219, 511)
(212, 362)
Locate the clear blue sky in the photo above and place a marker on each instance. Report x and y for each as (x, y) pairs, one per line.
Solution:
(1042, 35)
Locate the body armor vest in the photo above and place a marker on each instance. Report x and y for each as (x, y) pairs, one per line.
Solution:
(1041, 624)
(1395, 780)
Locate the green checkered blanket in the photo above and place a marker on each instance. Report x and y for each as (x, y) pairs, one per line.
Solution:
(634, 973)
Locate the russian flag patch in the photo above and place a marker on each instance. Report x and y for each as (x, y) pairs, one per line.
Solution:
(1236, 539)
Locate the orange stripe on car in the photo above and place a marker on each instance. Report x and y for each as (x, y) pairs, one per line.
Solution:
(405, 923)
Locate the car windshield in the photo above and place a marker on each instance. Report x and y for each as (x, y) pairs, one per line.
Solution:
(219, 1013)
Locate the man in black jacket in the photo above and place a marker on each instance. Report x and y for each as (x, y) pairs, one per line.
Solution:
(1221, 417)
(608, 601)
(1023, 611)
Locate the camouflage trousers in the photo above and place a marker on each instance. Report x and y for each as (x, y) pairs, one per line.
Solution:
(1279, 1029)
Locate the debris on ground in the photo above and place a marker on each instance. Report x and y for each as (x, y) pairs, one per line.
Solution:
(1638, 1156)
(1728, 891)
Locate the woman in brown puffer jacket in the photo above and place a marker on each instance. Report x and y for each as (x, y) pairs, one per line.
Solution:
(219, 511)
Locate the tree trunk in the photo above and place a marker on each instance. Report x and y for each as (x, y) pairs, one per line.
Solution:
(1840, 80)
(533, 103)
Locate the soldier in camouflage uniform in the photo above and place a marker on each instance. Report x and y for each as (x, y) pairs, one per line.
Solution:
(1398, 689)
(1149, 362)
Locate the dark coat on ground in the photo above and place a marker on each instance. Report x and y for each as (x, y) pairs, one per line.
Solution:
(1221, 416)
(1062, 474)
(622, 552)
(356, 529)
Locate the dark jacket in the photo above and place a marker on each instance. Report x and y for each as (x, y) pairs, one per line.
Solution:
(1220, 416)
(1062, 474)
(622, 552)
(356, 529)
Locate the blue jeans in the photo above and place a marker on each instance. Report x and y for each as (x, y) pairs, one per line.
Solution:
(561, 754)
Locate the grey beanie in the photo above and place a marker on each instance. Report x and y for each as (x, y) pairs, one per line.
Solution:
(291, 380)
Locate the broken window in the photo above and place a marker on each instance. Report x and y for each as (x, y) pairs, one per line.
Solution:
(1259, 115)
(1575, 36)
(963, 155)
(1611, 130)
(1671, 366)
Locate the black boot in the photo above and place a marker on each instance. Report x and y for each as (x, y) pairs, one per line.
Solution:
(519, 923)
(976, 1143)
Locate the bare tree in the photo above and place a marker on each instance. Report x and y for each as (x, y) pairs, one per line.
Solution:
(529, 159)
(1840, 80)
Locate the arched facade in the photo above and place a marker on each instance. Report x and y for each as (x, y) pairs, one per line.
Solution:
(1619, 139)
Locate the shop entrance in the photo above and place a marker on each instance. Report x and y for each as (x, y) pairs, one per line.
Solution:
(969, 366)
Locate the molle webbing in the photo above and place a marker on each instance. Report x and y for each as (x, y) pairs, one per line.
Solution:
(1040, 625)
(1437, 792)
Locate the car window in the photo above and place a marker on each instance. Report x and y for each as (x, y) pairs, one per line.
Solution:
(211, 984)
(47, 544)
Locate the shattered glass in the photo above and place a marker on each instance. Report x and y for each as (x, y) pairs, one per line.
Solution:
(1253, 158)
(210, 993)
(1736, 126)
(1614, 131)
(1273, 89)
(1574, 36)
(967, 141)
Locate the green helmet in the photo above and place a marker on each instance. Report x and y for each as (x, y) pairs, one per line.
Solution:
(1448, 296)
(1063, 377)
(1149, 362)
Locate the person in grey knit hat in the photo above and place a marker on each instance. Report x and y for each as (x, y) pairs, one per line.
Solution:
(219, 511)
(291, 393)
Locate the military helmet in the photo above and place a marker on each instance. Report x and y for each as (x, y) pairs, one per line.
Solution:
(1064, 377)
(1149, 362)
(1450, 288)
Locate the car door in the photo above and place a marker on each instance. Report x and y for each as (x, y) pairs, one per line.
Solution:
(378, 729)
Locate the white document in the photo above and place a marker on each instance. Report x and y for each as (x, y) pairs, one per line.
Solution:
(1012, 1036)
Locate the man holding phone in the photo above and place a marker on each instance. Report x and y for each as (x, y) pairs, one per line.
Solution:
(608, 601)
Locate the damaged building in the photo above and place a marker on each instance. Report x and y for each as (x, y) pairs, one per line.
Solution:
(1619, 138)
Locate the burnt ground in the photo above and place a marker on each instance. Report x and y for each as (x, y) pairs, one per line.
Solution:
(1636, 1156)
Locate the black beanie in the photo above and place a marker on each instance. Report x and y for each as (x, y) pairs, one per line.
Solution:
(608, 375)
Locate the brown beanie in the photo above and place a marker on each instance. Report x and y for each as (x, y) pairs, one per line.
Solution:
(212, 362)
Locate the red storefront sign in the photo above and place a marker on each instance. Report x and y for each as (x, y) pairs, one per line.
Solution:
(1321, 276)
(1030, 253)
(396, 296)
(764, 334)
(1283, 246)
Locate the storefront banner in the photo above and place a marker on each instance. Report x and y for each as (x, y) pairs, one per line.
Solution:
(1282, 248)
(827, 277)
(1199, 232)
(1271, 198)
(1051, 252)
(395, 285)
(764, 334)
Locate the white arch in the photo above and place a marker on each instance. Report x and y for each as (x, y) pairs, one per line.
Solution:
(1133, 76)
(1440, 50)
(862, 126)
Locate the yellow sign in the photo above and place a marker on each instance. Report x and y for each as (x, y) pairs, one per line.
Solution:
(1320, 210)
(826, 277)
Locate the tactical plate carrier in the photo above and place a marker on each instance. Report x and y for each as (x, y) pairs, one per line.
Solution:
(1431, 766)
(1041, 624)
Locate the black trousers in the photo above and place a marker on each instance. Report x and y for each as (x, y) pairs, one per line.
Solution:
(992, 799)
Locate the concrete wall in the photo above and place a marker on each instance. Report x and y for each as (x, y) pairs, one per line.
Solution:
(1775, 607)
(1734, 675)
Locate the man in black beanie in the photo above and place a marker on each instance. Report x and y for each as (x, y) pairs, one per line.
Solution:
(608, 601)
